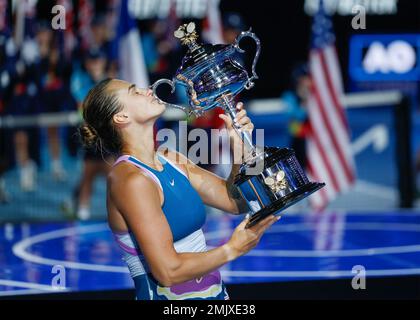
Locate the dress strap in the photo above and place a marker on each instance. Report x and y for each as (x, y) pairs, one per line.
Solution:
(121, 159)
(130, 159)
(173, 165)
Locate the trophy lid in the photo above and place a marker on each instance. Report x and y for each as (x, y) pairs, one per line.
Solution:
(197, 53)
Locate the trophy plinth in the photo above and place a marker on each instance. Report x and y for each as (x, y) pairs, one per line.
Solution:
(213, 77)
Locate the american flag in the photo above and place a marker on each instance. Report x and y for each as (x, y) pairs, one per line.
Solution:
(330, 157)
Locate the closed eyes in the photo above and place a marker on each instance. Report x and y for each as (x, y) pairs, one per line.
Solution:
(133, 89)
(139, 92)
(132, 86)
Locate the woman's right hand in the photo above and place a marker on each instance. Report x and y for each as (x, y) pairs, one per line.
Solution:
(245, 239)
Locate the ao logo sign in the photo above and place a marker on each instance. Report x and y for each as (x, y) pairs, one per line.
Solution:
(385, 58)
(399, 56)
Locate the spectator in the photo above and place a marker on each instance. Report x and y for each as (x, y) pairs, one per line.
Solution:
(52, 79)
(296, 104)
(233, 25)
(94, 163)
(20, 67)
(4, 85)
(101, 36)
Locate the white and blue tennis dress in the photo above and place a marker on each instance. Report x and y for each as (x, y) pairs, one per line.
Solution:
(185, 213)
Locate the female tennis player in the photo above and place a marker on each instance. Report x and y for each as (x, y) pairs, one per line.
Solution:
(155, 200)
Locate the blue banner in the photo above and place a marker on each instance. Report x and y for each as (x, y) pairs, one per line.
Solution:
(392, 57)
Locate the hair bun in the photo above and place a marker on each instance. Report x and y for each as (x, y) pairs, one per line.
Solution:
(88, 134)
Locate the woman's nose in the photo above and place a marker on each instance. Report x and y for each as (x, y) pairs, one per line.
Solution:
(149, 92)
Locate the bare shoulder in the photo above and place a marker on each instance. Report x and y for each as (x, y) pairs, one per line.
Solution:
(125, 176)
(120, 172)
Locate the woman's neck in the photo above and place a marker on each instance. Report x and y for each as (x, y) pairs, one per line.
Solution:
(141, 144)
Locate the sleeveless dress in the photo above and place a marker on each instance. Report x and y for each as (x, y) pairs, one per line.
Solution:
(185, 213)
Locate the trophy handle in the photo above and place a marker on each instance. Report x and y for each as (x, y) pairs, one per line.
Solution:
(246, 136)
(154, 86)
(252, 35)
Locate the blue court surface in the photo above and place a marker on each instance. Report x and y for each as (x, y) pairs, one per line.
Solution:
(298, 247)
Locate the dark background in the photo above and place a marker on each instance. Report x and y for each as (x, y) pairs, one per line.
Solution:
(285, 30)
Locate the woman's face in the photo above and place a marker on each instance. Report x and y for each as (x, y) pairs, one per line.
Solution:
(139, 104)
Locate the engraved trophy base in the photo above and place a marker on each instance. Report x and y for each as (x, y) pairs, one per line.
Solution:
(279, 184)
(272, 179)
(279, 205)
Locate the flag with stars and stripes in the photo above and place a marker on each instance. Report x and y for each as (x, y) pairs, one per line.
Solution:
(330, 157)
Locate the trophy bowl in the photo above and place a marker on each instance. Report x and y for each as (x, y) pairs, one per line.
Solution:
(212, 76)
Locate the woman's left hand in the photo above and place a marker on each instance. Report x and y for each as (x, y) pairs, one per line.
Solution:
(243, 122)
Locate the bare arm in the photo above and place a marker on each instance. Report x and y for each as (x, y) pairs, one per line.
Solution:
(233, 191)
(146, 220)
(215, 191)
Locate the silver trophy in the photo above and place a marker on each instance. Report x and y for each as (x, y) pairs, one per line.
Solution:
(213, 77)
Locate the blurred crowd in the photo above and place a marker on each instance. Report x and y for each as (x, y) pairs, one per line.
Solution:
(49, 71)
(39, 74)
(45, 73)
